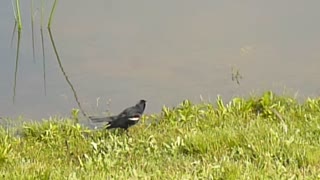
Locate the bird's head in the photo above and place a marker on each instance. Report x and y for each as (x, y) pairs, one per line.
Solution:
(142, 101)
(141, 104)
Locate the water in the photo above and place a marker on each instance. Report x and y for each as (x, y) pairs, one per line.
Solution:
(162, 51)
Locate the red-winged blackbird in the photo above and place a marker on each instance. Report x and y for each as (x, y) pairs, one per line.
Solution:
(125, 119)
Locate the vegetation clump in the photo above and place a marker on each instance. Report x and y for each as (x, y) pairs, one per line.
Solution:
(261, 137)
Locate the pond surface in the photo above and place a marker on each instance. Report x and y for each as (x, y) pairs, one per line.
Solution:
(118, 52)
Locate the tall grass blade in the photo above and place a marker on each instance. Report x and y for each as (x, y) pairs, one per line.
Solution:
(52, 12)
(14, 11)
(13, 32)
(64, 74)
(32, 31)
(41, 14)
(43, 63)
(15, 22)
(16, 67)
(43, 52)
(18, 15)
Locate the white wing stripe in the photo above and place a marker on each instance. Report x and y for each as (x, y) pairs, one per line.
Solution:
(134, 119)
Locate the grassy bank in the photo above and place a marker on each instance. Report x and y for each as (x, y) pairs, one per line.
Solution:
(256, 138)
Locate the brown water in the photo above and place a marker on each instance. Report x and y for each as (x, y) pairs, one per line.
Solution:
(162, 51)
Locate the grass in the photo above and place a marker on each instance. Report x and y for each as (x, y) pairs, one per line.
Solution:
(261, 137)
(52, 12)
(18, 15)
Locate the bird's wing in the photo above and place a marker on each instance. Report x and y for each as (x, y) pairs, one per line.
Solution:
(127, 112)
(138, 109)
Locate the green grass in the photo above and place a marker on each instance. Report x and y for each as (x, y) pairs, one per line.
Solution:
(18, 15)
(52, 12)
(265, 137)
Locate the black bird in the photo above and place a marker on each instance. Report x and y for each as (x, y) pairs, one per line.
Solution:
(128, 117)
